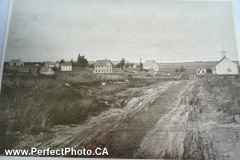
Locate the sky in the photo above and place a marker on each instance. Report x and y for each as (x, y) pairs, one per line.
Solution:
(164, 31)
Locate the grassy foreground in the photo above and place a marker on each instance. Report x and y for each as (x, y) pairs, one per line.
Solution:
(31, 104)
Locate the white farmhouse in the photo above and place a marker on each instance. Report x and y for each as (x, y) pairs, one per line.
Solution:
(66, 67)
(148, 64)
(46, 71)
(16, 62)
(201, 70)
(225, 66)
(102, 66)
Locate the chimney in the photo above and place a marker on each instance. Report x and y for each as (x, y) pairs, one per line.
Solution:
(223, 52)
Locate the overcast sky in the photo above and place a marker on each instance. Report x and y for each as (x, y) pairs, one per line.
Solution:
(164, 31)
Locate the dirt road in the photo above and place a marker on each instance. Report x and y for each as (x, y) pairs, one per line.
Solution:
(167, 120)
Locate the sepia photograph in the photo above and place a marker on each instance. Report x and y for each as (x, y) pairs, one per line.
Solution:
(126, 79)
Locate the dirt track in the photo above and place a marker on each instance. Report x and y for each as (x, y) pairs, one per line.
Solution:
(165, 121)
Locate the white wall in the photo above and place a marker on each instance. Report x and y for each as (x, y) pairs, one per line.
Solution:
(225, 65)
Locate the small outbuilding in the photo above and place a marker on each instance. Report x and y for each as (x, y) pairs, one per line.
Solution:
(201, 70)
(46, 71)
(16, 62)
(152, 72)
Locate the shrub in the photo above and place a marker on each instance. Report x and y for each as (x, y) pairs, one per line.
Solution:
(182, 69)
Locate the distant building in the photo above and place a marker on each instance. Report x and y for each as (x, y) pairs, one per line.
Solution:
(225, 66)
(46, 71)
(28, 70)
(214, 70)
(148, 64)
(16, 62)
(51, 64)
(117, 62)
(37, 65)
(152, 72)
(103, 66)
(201, 70)
(132, 66)
(66, 67)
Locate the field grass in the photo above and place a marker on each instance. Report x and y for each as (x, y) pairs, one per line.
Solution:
(31, 103)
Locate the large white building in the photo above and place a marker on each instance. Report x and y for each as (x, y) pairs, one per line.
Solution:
(66, 67)
(148, 64)
(102, 66)
(225, 66)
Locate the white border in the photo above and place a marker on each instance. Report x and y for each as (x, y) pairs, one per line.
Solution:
(2, 54)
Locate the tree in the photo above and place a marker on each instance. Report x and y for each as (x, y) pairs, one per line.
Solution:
(132, 65)
(62, 61)
(38, 70)
(82, 62)
(127, 65)
(54, 68)
(182, 69)
(141, 66)
(176, 70)
(122, 62)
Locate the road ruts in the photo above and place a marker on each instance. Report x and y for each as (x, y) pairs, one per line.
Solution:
(166, 139)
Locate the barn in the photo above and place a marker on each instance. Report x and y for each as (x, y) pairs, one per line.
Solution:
(148, 64)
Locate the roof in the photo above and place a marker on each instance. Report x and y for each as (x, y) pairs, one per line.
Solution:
(202, 68)
(51, 63)
(66, 64)
(16, 60)
(91, 62)
(101, 62)
(45, 69)
(148, 62)
(224, 57)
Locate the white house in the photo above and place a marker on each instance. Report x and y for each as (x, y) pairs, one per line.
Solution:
(148, 64)
(66, 67)
(16, 62)
(51, 64)
(102, 66)
(201, 70)
(225, 66)
(46, 71)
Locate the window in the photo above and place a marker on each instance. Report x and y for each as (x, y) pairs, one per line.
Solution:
(99, 70)
(96, 70)
(107, 70)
